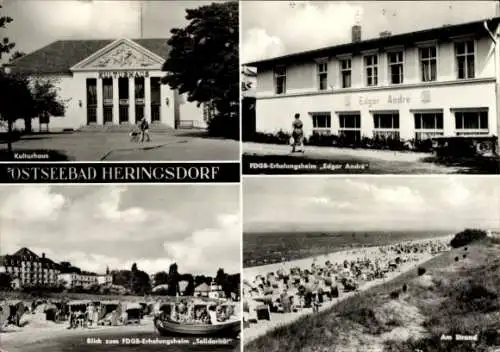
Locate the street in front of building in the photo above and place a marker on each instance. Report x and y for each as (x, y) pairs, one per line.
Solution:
(101, 146)
(257, 158)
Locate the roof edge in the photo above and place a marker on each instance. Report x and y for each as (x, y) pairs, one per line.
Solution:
(256, 63)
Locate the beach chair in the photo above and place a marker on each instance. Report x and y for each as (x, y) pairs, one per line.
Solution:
(263, 312)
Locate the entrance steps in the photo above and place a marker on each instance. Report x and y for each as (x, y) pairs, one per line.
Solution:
(126, 128)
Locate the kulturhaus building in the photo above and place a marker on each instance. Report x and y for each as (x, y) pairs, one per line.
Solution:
(110, 82)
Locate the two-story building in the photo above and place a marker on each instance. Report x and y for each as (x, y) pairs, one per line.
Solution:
(109, 83)
(435, 82)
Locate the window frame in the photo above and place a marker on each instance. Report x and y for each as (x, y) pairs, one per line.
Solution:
(481, 130)
(319, 73)
(402, 63)
(385, 131)
(463, 40)
(327, 130)
(428, 132)
(372, 66)
(429, 60)
(342, 70)
(276, 76)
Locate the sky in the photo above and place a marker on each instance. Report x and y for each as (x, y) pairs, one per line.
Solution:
(154, 226)
(40, 22)
(371, 203)
(274, 28)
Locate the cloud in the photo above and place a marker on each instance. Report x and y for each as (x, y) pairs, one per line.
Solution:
(280, 27)
(398, 195)
(32, 203)
(109, 208)
(329, 202)
(95, 227)
(209, 249)
(455, 194)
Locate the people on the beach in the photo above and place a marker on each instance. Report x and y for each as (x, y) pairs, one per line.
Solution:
(308, 288)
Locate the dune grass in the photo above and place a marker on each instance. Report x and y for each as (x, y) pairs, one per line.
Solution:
(449, 298)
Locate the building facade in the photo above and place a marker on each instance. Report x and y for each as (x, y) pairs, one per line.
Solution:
(85, 280)
(436, 82)
(110, 82)
(27, 269)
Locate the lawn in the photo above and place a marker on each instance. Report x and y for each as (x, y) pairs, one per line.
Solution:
(452, 297)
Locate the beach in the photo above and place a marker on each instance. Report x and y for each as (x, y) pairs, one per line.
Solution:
(280, 319)
(38, 334)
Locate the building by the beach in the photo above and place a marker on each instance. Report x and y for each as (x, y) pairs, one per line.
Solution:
(434, 82)
(85, 280)
(28, 269)
(216, 291)
(110, 83)
(202, 290)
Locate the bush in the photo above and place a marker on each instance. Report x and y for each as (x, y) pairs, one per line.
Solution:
(395, 294)
(224, 126)
(456, 259)
(467, 236)
(421, 271)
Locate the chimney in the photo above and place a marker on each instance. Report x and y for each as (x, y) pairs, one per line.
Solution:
(385, 34)
(43, 255)
(356, 33)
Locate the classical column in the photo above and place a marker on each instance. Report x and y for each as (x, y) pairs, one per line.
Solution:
(147, 99)
(116, 102)
(131, 99)
(100, 113)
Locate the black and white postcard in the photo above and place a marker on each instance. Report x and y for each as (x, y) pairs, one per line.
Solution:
(371, 264)
(379, 87)
(120, 268)
(86, 80)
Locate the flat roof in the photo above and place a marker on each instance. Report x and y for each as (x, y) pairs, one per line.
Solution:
(444, 32)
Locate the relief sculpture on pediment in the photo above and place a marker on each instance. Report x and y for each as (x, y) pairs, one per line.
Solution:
(123, 56)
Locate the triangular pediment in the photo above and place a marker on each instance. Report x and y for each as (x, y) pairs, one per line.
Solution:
(119, 55)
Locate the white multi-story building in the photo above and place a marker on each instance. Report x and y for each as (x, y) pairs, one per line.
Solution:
(85, 280)
(28, 269)
(110, 82)
(435, 82)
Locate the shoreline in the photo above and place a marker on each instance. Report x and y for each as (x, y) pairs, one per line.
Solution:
(283, 319)
(343, 254)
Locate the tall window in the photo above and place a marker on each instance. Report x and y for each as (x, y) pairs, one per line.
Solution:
(345, 72)
(280, 80)
(464, 52)
(350, 126)
(396, 67)
(322, 122)
(322, 72)
(428, 63)
(428, 125)
(471, 122)
(386, 125)
(371, 67)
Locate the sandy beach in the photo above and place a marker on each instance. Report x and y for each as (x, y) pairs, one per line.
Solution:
(281, 319)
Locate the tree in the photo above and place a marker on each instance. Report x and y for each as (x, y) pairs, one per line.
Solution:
(5, 45)
(204, 63)
(17, 102)
(173, 280)
(134, 267)
(5, 281)
(161, 278)
(221, 276)
(46, 102)
(107, 270)
(16, 55)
